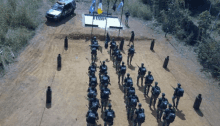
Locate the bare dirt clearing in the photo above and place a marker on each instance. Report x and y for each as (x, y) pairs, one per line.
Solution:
(23, 89)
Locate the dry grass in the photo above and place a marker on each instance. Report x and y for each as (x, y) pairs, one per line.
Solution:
(18, 22)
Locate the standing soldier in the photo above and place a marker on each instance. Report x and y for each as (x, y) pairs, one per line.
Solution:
(168, 116)
(131, 52)
(92, 68)
(148, 81)
(130, 90)
(94, 102)
(109, 116)
(91, 117)
(93, 53)
(155, 92)
(105, 92)
(121, 73)
(104, 79)
(177, 94)
(102, 69)
(141, 73)
(112, 46)
(92, 79)
(118, 60)
(128, 81)
(114, 54)
(121, 44)
(132, 38)
(140, 116)
(127, 14)
(161, 106)
(91, 90)
(131, 106)
(94, 41)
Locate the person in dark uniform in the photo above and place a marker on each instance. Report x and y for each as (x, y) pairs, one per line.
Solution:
(121, 45)
(127, 14)
(132, 38)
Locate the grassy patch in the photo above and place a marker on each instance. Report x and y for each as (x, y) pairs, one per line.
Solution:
(18, 22)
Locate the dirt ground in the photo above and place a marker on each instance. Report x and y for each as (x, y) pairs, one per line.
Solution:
(23, 88)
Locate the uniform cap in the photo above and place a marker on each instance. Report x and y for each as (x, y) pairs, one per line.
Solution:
(178, 84)
(163, 94)
(156, 83)
(103, 61)
(128, 74)
(123, 62)
(109, 105)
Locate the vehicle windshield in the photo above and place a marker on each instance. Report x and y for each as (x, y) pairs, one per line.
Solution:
(57, 7)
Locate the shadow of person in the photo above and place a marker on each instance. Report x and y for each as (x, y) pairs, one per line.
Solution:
(63, 21)
(154, 112)
(122, 51)
(180, 114)
(48, 105)
(102, 115)
(147, 99)
(121, 87)
(131, 67)
(141, 88)
(130, 122)
(153, 51)
(199, 112)
(167, 69)
(58, 68)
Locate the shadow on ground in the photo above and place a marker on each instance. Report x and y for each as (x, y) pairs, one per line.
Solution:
(199, 112)
(180, 114)
(131, 67)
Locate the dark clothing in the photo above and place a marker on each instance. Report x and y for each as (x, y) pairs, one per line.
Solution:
(127, 14)
(106, 117)
(141, 71)
(102, 91)
(92, 89)
(93, 100)
(152, 90)
(149, 79)
(160, 101)
(92, 79)
(102, 68)
(107, 81)
(126, 80)
(121, 45)
(89, 121)
(132, 37)
(131, 51)
(131, 97)
(92, 68)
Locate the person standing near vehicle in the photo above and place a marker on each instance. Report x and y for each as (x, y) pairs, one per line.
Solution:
(127, 14)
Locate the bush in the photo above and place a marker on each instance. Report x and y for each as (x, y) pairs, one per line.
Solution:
(208, 54)
(18, 20)
(138, 9)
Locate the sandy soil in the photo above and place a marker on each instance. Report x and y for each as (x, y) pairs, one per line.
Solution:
(23, 89)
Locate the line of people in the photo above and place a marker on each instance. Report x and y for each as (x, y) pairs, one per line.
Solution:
(94, 103)
(129, 91)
